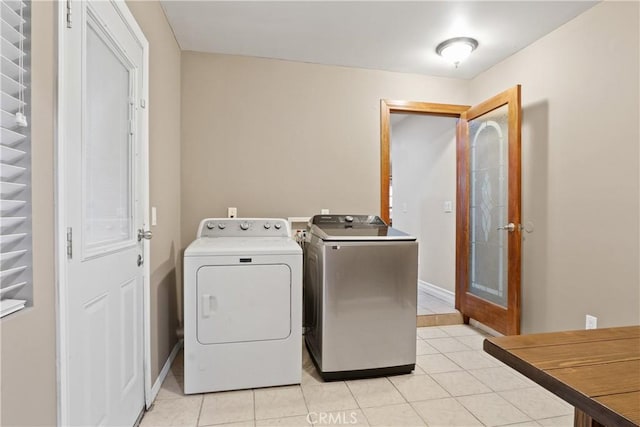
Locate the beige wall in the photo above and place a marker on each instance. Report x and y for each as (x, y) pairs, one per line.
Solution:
(28, 356)
(278, 138)
(164, 176)
(29, 337)
(423, 155)
(580, 96)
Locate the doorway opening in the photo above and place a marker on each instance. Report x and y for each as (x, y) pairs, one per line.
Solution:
(421, 186)
(422, 192)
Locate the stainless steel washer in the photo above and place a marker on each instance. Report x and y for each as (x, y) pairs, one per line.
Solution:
(360, 291)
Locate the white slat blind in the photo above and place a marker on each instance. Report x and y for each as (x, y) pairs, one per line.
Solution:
(15, 158)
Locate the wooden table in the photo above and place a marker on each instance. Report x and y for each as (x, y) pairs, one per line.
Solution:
(597, 371)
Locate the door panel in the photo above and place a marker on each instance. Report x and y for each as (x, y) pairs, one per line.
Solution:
(103, 191)
(488, 207)
(488, 216)
(128, 330)
(95, 328)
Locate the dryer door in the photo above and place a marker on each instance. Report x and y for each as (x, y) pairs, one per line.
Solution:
(239, 303)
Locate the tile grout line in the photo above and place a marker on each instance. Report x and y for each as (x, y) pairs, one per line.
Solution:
(253, 400)
(457, 364)
(357, 403)
(200, 411)
(469, 410)
(534, 387)
(499, 395)
(407, 401)
(304, 399)
(397, 389)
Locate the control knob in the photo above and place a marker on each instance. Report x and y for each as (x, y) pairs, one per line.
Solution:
(210, 225)
(277, 226)
(348, 218)
(222, 226)
(267, 226)
(244, 226)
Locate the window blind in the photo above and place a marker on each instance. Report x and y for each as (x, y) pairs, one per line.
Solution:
(16, 290)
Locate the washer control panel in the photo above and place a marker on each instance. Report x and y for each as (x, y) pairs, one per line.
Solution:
(243, 227)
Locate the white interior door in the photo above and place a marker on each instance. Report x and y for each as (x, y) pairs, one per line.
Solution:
(104, 190)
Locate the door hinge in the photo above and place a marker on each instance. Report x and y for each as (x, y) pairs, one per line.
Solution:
(69, 243)
(68, 13)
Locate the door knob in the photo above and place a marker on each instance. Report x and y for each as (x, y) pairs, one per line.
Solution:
(509, 227)
(144, 234)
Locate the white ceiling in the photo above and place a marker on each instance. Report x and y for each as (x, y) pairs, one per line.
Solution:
(383, 35)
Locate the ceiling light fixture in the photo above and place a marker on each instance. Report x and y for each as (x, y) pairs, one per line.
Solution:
(457, 49)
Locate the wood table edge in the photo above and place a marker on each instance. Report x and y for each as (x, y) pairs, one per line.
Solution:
(596, 410)
(632, 331)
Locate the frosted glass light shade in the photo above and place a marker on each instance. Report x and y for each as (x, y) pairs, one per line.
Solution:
(457, 49)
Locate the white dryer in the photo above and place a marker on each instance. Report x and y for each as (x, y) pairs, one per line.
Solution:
(242, 306)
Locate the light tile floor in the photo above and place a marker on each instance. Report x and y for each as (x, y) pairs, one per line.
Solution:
(428, 304)
(454, 384)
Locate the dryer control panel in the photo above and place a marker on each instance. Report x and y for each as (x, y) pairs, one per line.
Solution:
(243, 227)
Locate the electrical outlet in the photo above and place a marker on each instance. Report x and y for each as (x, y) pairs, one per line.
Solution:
(591, 322)
(232, 212)
(324, 211)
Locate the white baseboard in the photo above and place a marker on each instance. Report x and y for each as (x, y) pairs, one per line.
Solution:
(163, 373)
(437, 292)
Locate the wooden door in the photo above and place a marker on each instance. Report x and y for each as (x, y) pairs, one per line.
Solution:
(488, 237)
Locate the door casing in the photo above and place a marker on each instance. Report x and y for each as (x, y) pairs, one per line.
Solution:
(61, 214)
(407, 107)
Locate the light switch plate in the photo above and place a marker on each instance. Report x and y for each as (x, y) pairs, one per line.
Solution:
(448, 206)
(154, 216)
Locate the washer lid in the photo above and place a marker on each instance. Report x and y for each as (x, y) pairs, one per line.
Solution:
(355, 228)
(243, 246)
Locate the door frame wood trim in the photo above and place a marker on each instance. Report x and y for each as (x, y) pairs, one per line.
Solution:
(462, 211)
(408, 107)
(60, 196)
